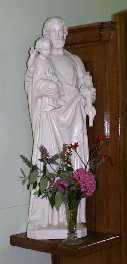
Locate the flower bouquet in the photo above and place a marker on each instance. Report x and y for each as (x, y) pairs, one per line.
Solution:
(59, 182)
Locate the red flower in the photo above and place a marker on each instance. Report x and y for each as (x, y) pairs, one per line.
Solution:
(104, 157)
(100, 139)
(73, 146)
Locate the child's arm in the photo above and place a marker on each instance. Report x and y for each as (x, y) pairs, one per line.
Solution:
(32, 57)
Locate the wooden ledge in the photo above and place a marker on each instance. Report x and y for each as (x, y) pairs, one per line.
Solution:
(92, 243)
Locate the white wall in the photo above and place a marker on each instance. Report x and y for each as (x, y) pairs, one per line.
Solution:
(20, 25)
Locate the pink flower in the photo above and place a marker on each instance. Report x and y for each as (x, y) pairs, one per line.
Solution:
(86, 181)
(61, 185)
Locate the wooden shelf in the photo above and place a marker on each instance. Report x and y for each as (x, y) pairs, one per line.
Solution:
(92, 243)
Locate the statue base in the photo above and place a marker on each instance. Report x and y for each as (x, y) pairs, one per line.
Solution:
(54, 232)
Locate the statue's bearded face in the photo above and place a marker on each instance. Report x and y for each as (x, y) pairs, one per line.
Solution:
(57, 36)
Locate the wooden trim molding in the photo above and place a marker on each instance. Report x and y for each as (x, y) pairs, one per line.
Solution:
(90, 33)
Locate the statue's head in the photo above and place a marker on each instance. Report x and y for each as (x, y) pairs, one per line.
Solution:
(43, 46)
(55, 30)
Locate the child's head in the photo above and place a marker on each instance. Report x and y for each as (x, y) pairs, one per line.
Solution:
(43, 46)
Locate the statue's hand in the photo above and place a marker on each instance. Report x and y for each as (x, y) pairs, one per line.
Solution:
(91, 112)
(32, 51)
(49, 89)
(32, 57)
(93, 94)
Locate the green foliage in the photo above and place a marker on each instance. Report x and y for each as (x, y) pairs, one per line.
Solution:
(58, 199)
(26, 161)
(43, 184)
(23, 177)
(51, 194)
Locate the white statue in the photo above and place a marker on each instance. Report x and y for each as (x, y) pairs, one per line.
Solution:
(60, 95)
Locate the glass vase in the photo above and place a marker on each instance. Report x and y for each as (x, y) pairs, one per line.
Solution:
(71, 216)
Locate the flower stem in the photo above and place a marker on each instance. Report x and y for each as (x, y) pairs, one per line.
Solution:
(52, 168)
(80, 159)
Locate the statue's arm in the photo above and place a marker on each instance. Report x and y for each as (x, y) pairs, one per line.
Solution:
(32, 59)
(85, 82)
(87, 89)
(45, 87)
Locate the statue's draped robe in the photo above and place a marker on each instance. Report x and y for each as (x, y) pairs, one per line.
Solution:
(53, 128)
